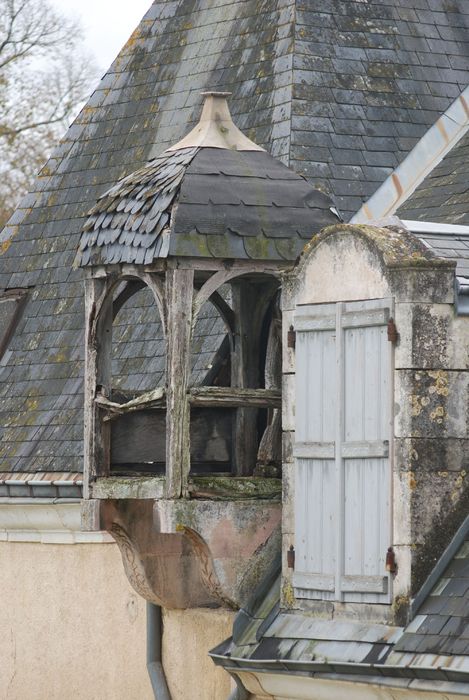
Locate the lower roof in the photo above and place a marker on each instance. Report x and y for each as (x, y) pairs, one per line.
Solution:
(433, 647)
(443, 196)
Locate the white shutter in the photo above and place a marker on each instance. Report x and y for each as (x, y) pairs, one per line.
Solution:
(342, 492)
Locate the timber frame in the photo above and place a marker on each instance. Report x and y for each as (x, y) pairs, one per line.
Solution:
(180, 288)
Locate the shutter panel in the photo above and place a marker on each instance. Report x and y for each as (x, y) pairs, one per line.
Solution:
(315, 560)
(342, 501)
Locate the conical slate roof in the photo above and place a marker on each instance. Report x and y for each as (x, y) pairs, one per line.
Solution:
(215, 194)
(339, 91)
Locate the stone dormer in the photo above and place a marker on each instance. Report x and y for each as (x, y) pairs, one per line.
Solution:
(375, 428)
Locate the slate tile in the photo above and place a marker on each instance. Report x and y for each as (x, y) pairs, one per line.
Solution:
(457, 587)
(409, 642)
(433, 605)
(454, 626)
(362, 42)
(434, 624)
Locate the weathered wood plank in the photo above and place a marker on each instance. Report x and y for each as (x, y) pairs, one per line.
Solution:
(234, 397)
(150, 399)
(235, 488)
(131, 287)
(98, 338)
(179, 296)
(250, 304)
(245, 373)
(156, 284)
(274, 267)
(270, 446)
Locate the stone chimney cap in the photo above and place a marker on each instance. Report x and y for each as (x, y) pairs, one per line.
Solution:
(216, 128)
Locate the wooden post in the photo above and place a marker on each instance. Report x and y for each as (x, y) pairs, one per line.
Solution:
(179, 295)
(245, 374)
(98, 341)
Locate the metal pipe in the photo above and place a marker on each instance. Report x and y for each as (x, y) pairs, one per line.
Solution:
(154, 657)
(240, 692)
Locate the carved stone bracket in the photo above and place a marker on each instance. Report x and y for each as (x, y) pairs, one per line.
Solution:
(187, 554)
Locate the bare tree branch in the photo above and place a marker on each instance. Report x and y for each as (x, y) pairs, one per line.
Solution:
(44, 76)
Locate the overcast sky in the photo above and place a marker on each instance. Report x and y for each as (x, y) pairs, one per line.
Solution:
(107, 23)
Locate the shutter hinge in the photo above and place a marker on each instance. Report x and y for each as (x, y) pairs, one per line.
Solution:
(291, 557)
(393, 335)
(291, 338)
(391, 564)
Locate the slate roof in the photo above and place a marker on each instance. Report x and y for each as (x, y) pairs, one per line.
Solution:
(454, 246)
(444, 194)
(368, 79)
(206, 202)
(441, 624)
(434, 647)
(339, 92)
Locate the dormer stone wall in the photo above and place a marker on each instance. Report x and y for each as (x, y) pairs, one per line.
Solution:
(430, 379)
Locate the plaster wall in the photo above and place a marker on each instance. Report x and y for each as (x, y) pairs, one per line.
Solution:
(342, 268)
(72, 627)
(188, 637)
(70, 624)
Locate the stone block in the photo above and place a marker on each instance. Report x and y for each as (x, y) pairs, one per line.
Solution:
(431, 336)
(431, 403)
(288, 405)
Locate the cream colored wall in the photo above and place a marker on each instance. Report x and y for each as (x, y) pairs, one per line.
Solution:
(342, 268)
(188, 637)
(70, 625)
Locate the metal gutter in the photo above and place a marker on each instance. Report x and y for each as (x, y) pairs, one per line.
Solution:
(458, 232)
(435, 227)
(51, 485)
(154, 655)
(423, 158)
(369, 673)
(440, 566)
(28, 501)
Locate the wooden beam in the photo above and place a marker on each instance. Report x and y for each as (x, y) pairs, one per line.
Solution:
(132, 287)
(245, 374)
(221, 277)
(98, 339)
(232, 397)
(179, 297)
(225, 311)
(273, 267)
(250, 304)
(270, 446)
(157, 286)
(150, 399)
(235, 489)
(213, 283)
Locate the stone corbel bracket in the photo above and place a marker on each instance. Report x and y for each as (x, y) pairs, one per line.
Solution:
(186, 554)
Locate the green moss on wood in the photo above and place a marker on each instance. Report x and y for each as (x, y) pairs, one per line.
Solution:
(235, 488)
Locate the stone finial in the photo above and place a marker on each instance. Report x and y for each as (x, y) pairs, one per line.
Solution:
(216, 128)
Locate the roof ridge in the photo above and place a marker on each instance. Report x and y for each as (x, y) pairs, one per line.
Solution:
(428, 152)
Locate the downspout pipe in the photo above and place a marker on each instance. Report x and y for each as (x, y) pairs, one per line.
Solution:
(154, 658)
(240, 692)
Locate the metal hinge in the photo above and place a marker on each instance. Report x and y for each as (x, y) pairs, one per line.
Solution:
(393, 335)
(391, 564)
(291, 338)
